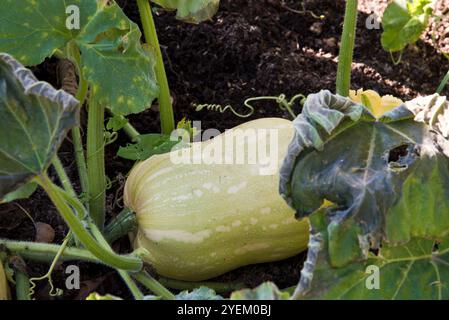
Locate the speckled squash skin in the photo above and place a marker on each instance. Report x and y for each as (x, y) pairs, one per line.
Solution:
(199, 221)
(4, 291)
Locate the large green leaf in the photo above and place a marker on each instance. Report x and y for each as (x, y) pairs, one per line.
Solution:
(416, 270)
(120, 70)
(389, 178)
(35, 118)
(193, 11)
(403, 22)
(33, 30)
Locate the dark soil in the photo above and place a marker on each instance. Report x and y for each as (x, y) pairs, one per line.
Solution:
(250, 48)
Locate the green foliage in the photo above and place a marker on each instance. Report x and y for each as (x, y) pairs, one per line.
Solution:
(266, 291)
(201, 293)
(23, 192)
(389, 181)
(119, 69)
(35, 119)
(116, 123)
(403, 22)
(193, 11)
(415, 270)
(147, 146)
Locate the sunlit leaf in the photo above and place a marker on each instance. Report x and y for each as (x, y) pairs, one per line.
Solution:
(403, 22)
(193, 11)
(35, 119)
(266, 291)
(120, 70)
(97, 297)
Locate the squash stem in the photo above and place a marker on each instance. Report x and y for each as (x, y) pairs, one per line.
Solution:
(95, 161)
(62, 175)
(124, 223)
(22, 286)
(153, 285)
(129, 263)
(343, 82)
(123, 274)
(81, 96)
(165, 104)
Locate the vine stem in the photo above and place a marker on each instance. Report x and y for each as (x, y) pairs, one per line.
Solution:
(43, 252)
(343, 82)
(95, 161)
(165, 104)
(22, 285)
(65, 181)
(129, 263)
(125, 276)
(153, 285)
(81, 95)
(122, 224)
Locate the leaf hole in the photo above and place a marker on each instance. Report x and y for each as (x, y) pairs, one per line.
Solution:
(400, 157)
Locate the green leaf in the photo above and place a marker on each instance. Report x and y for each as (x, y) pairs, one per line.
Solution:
(119, 68)
(35, 119)
(116, 123)
(201, 293)
(415, 270)
(32, 30)
(23, 192)
(403, 23)
(266, 291)
(148, 145)
(389, 179)
(193, 11)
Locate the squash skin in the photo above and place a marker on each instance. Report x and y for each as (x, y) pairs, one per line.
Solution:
(4, 290)
(200, 221)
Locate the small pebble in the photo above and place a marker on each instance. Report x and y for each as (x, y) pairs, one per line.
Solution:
(316, 28)
(44, 233)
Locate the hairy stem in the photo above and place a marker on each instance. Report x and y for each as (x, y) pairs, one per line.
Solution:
(43, 252)
(153, 285)
(65, 181)
(82, 88)
(95, 161)
(129, 263)
(165, 104)
(123, 274)
(347, 49)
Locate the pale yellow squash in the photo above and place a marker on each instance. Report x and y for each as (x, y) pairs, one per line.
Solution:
(4, 291)
(198, 221)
